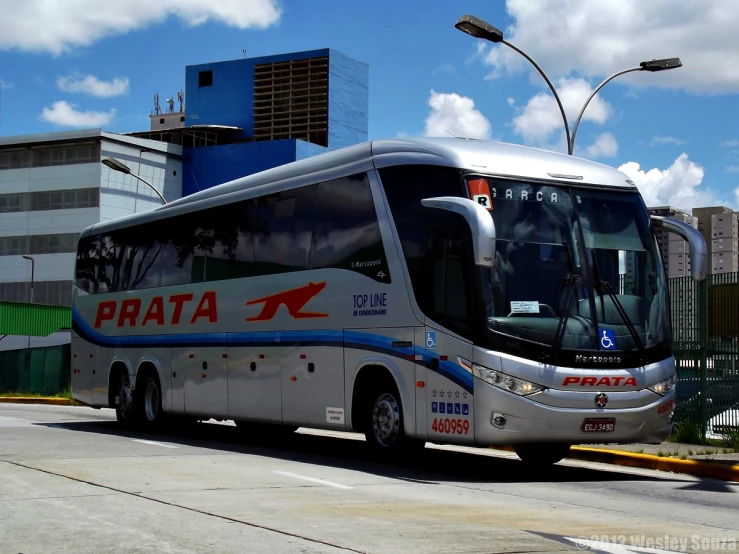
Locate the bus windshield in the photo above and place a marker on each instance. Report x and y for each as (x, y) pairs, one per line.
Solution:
(574, 268)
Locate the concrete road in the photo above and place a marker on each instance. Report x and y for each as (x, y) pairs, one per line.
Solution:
(72, 481)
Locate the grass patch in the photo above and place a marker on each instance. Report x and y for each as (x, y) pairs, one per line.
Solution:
(65, 394)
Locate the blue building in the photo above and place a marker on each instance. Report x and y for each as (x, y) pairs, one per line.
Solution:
(247, 115)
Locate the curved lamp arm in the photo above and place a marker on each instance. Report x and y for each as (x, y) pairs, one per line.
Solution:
(571, 142)
(551, 87)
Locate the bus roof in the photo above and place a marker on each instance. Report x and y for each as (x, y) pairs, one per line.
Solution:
(494, 158)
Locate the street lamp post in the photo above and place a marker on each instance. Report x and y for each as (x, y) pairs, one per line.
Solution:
(478, 28)
(33, 271)
(120, 167)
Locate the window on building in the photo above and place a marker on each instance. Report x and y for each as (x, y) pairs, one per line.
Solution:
(14, 159)
(205, 78)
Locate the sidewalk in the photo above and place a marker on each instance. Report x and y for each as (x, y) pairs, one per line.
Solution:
(675, 450)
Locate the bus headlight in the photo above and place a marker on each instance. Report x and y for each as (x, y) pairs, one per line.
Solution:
(503, 381)
(665, 386)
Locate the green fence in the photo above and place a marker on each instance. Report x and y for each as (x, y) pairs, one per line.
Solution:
(705, 323)
(36, 370)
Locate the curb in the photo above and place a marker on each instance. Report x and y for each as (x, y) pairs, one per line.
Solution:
(38, 400)
(695, 468)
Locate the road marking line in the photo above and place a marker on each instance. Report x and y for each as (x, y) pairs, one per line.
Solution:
(155, 443)
(314, 480)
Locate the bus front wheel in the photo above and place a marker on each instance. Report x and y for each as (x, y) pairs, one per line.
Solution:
(385, 425)
(541, 454)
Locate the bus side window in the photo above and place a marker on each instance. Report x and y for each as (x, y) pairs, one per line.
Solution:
(282, 236)
(346, 233)
(88, 257)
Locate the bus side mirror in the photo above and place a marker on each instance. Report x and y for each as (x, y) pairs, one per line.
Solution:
(480, 222)
(696, 243)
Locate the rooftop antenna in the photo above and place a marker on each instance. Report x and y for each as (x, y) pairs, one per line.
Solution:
(243, 51)
(157, 107)
(181, 100)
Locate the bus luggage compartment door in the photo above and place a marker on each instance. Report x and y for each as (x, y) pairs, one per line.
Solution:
(313, 386)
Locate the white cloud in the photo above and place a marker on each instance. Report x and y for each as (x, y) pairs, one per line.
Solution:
(667, 140)
(56, 27)
(605, 146)
(541, 116)
(679, 185)
(732, 169)
(455, 114)
(89, 84)
(511, 101)
(598, 38)
(5, 84)
(730, 143)
(64, 114)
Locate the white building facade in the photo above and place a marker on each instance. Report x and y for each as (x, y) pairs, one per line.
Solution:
(54, 185)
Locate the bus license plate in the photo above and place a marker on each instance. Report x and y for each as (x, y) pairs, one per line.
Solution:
(597, 425)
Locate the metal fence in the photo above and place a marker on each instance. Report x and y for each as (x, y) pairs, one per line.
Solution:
(36, 370)
(705, 324)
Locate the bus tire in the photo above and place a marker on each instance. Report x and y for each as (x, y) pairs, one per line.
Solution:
(541, 454)
(121, 396)
(384, 426)
(148, 400)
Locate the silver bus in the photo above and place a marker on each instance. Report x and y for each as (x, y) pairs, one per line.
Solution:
(414, 290)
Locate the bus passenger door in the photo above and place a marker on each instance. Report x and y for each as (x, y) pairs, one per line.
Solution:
(313, 385)
(206, 381)
(450, 304)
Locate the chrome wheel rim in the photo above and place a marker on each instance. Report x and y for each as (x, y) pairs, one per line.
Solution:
(386, 420)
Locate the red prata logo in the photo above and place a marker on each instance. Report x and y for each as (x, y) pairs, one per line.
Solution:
(294, 300)
(128, 310)
(602, 381)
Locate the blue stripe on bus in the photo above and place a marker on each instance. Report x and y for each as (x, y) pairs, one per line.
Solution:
(348, 339)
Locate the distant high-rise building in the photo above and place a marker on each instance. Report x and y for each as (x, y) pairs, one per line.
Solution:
(719, 226)
(673, 248)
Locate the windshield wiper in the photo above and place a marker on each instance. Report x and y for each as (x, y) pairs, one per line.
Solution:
(571, 279)
(606, 286)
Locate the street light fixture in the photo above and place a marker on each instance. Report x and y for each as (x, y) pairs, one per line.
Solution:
(478, 28)
(651, 66)
(33, 268)
(120, 167)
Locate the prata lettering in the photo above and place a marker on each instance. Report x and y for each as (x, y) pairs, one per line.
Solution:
(130, 312)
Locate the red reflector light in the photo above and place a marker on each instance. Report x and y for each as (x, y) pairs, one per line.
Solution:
(293, 378)
(302, 356)
(443, 358)
(420, 384)
(261, 356)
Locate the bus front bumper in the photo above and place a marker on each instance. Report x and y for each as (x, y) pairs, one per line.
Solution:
(503, 418)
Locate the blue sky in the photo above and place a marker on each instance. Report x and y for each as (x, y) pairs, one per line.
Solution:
(88, 64)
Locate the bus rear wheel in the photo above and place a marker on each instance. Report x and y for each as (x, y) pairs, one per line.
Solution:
(541, 454)
(148, 401)
(123, 399)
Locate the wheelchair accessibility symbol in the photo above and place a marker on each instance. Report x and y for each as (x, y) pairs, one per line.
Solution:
(608, 339)
(431, 340)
